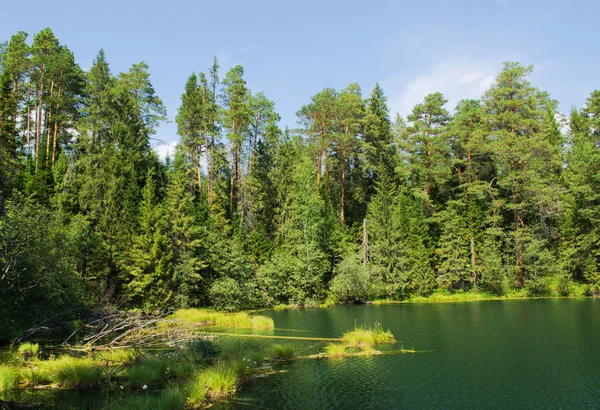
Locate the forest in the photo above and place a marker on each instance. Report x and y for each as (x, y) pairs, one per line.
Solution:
(496, 195)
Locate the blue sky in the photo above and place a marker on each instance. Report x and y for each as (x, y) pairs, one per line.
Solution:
(291, 50)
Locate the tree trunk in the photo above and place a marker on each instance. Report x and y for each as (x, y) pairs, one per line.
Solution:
(365, 241)
(55, 131)
(342, 195)
(28, 119)
(473, 260)
(46, 128)
(518, 248)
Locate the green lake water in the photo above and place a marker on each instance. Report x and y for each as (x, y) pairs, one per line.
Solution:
(491, 354)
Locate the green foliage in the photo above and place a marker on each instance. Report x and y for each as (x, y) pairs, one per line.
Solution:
(247, 215)
(351, 280)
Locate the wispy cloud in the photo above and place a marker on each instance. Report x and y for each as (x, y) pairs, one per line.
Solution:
(455, 78)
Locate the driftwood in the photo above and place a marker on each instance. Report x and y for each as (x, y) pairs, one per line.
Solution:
(114, 330)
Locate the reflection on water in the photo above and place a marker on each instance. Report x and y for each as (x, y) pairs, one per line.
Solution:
(492, 354)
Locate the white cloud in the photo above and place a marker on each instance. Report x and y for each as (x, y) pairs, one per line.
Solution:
(163, 150)
(456, 78)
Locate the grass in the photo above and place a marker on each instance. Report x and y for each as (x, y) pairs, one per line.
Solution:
(28, 349)
(117, 356)
(362, 337)
(213, 318)
(69, 371)
(148, 373)
(170, 398)
(35, 376)
(575, 290)
(284, 352)
(213, 383)
(9, 378)
(335, 350)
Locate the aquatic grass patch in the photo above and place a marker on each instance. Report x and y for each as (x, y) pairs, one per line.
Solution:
(148, 373)
(34, 376)
(117, 356)
(9, 378)
(284, 352)
(213, 383)
(335, 350)
(169, 399)
(69, 371)
(182, 369)
(214, 318)
(362, 337)
(28, 350)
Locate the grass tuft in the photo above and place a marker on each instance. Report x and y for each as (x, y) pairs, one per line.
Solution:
(117, 356)
(213, 383)
(169, 399)
(283, 352)
(9, 378)
(148, 373)
(335, 350)
(362, 337)
(28, 349)
(69, 371)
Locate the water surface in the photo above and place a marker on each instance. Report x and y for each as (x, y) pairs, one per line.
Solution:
(489, 354)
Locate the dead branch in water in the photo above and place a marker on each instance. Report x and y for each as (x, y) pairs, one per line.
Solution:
(117, 330)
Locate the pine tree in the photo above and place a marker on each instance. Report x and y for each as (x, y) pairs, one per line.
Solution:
(514, 111)
(426, 148)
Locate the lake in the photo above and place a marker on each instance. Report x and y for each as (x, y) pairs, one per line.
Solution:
(489, 354)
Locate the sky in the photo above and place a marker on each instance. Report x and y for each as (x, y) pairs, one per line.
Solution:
(292, 50)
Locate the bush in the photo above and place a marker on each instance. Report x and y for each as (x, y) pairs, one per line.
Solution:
(226, 295)
(351, 280)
